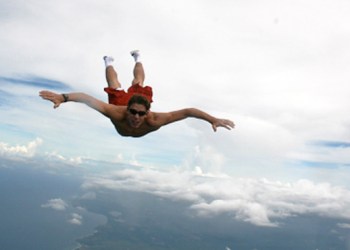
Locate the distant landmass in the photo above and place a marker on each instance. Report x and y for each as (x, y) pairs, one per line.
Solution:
(25, 223)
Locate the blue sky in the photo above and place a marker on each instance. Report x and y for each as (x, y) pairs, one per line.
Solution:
(279, 69)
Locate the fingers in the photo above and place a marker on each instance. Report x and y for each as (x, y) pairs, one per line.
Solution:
(50, 96)
(45, 94)
(229, 124)
(227, 127)
(223, 123)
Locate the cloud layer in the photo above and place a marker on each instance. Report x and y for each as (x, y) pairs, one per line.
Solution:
(257, 201)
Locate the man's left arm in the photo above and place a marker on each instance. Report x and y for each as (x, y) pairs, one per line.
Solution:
(161, 119)
(109, 110)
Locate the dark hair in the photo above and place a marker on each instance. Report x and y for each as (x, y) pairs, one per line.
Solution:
(139, 99)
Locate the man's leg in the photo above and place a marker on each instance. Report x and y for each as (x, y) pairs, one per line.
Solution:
(139, 73)
(111, 74)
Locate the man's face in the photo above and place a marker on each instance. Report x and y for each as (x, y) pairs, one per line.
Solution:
(136, 115)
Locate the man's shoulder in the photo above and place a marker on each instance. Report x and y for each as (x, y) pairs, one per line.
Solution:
(117, 111)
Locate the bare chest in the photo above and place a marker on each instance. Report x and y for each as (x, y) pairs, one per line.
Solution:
(125, 130)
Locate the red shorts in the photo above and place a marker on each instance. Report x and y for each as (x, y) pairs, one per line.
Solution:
(121, 98)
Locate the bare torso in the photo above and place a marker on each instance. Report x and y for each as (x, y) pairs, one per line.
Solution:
(123, 128)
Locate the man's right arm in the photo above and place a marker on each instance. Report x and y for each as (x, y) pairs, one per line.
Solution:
(102, 107)
(161, 119)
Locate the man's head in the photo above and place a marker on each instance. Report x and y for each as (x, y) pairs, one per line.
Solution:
(137, 109)
(139, 99)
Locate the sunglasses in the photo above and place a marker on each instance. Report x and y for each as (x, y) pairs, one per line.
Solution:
(135, 112)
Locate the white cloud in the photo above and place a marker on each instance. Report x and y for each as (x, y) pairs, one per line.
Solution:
(76, 219)
(344, 225)
(334, 155)
(56, 204)
(28, 150)
(206, 158)
(117, 216)
(257, 201)
(71, 160)
(89, 196)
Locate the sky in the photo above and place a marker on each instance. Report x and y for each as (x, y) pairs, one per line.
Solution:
(278, 69)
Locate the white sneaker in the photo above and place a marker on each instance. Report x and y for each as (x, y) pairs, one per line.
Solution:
(135, 53)
(108, 59)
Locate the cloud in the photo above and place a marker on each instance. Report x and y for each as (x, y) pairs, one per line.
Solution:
(76, 219)
(249, 211)
(257, 201)
(54, 156)
(89, 196)
(5, 97)
(333, 144)
(206, 158)
(28, 150)
(35, 81)
(325, 154)
(56, 204)
(344, 225)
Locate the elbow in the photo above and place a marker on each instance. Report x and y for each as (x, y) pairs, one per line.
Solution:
(190, 111)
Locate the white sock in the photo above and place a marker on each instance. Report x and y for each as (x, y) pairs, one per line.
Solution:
(108, 60)
(136, 55)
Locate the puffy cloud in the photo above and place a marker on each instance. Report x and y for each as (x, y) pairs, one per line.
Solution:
(28, 150)
(68, 160)
(76, 219)
(257, 201)
(56, 204)
(245, 210)
(205, 157)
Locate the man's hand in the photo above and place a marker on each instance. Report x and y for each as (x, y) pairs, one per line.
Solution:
(223, 123)
(57, 99)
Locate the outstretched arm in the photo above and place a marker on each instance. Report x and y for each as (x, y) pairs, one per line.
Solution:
(161, 119)
(57, 99)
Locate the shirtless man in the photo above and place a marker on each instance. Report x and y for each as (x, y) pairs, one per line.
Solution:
(130, 111)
